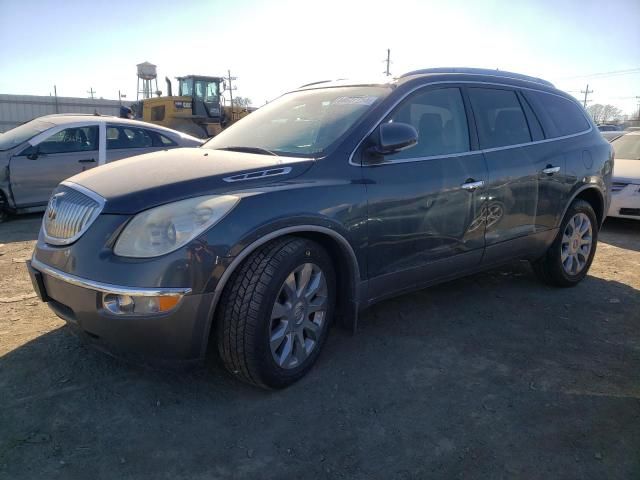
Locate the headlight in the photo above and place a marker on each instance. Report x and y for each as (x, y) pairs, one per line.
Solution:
(166, 228)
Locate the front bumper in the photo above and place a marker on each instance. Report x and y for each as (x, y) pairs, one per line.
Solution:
(179, 335)
(626, 202)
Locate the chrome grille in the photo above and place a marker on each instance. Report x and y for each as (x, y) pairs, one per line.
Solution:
(70, 212)
(618, 186)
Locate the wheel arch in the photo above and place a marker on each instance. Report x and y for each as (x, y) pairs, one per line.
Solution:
(345, 263)
(594, 197)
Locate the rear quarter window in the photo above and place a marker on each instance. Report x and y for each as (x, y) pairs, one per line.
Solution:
(559, 116)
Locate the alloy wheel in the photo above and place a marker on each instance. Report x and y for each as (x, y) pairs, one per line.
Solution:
(577, 242)
(298, 316)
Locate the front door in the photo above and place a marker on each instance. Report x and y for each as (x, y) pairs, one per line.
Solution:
(37, 170)
(425, 204)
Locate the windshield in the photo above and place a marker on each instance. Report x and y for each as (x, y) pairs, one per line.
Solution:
(301, 123)
(627, 147)
(20, 134)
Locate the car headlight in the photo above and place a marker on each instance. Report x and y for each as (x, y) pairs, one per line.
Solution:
(164, 229)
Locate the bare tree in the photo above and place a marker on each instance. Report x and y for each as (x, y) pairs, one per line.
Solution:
(242, 102)
(609, 112)
(596, 111)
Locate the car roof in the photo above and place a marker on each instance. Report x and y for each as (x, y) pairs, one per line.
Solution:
(68, 118)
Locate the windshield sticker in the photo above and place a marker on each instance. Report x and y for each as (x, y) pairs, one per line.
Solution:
(359, 100)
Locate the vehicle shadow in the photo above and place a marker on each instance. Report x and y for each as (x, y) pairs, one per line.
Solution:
(20, 228)
(621, 232)
(480, 374)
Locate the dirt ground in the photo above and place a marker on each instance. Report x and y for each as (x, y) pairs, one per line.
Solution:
(492, 376)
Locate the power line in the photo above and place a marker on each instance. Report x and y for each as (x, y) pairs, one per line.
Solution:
(611, 73)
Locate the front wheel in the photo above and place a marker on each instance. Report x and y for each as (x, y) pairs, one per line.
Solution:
(4, 208)
(275, 312)
(570, 256)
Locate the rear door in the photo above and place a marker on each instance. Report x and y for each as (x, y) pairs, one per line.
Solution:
(514, 167)
(566, 157)
(124, 141)
(37, 170)
(426, 219)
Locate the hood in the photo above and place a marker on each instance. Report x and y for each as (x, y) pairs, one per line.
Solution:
(627, 171)
(138, 183)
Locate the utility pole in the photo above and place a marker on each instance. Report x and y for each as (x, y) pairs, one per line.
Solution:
(120, 97)
(230, 79)
(91, 91)
(386, 72)
(586, 93)
(55, 94)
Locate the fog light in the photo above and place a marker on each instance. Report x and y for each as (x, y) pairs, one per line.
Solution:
(139, 305)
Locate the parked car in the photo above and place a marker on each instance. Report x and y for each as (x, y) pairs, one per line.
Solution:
(611, 136)
(609, 128)
(36, 156)
(318, 205)
(625, 198)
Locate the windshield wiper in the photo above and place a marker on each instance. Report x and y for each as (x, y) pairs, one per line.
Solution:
(258, 150)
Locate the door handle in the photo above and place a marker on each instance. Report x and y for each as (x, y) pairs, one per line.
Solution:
(550, 170)
(471, 185)
(87, 160)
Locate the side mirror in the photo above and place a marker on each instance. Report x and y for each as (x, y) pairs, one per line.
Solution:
(393, 137)
(33, 153)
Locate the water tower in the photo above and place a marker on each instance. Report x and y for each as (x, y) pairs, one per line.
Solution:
(147, 74)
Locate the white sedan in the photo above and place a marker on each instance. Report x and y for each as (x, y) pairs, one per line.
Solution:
(625, 192)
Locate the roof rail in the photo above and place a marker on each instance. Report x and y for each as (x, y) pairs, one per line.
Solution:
(314, 83)
(480, 71)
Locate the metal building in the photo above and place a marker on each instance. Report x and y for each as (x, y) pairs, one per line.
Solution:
(17, 109)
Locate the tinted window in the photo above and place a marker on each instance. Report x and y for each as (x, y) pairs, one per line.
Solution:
(441, 122)
(71, 140)
(559, 116)
(160, 140)
(128, 137)
(499, 117)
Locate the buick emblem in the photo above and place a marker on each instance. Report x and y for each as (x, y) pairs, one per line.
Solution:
(53, 205)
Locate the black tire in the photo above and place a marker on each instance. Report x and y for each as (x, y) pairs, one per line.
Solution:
(4, 208)
(549, 268)
(243, 320)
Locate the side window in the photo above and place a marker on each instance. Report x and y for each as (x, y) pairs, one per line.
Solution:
(160, 140)
(69, 140)
(440, 119)
(560, 116)
(127, 137)
(499, 117)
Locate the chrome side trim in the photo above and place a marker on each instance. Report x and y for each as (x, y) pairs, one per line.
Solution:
(470, 152)
(271, 172)
(107, 287)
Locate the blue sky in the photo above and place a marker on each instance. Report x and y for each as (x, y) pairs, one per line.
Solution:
(274, 46)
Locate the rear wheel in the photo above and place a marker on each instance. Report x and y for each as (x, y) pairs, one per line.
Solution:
(570, 256)
(275, 312)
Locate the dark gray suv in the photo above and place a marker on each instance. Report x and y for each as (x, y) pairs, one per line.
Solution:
(319, 204)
